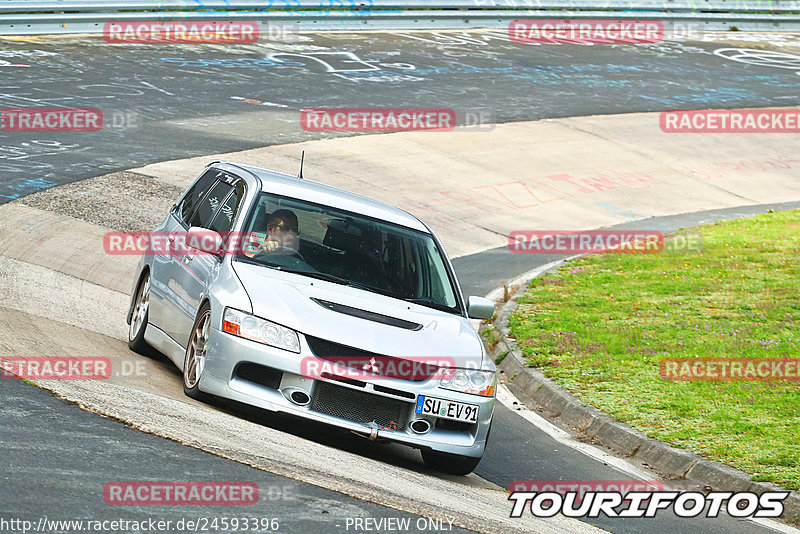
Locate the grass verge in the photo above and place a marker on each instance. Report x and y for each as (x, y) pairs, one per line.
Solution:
(600, 326)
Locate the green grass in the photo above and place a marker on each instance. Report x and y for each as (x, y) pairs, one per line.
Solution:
(600, 325)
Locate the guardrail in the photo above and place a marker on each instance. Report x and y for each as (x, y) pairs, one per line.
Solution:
(37, 17)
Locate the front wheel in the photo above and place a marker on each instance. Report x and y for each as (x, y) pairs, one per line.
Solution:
(453, 464)
(195, 359)
(139, 318)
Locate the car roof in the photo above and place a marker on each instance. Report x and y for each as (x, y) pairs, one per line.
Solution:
(304, 189)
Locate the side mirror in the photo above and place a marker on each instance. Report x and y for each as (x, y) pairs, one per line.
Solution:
(204, 240)
(480, 308)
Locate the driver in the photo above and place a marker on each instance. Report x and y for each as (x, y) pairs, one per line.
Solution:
(283, 235)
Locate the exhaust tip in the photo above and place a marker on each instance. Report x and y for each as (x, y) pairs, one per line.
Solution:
(297, 396)
(420, 426)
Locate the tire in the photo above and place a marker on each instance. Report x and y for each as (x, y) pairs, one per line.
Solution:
(139, 318)
(194, 360)
(452, 464)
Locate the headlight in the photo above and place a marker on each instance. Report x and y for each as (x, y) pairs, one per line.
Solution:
(469, 381)
(249, 326)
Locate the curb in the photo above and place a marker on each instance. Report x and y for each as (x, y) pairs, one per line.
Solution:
(558, 403)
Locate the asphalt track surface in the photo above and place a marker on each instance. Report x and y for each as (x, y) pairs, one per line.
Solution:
(57, 479)
(164, 102)
(193, 100)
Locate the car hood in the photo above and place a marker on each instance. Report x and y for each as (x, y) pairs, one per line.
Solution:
(288, 299)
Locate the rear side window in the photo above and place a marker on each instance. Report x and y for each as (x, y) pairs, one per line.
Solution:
(209, 205)
(223, 220)
(195, 194)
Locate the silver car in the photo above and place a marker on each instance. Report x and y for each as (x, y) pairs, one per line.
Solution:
(301, 298)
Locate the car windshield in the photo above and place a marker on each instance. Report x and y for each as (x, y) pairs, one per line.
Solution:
(350, 249)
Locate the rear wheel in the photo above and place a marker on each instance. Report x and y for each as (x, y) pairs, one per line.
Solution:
(139, 318)
(453, 464)
(195, 359)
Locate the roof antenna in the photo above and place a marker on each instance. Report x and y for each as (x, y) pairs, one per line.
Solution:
(302, 157)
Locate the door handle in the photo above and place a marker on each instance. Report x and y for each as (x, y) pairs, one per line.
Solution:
(171, 238)
(189, 257)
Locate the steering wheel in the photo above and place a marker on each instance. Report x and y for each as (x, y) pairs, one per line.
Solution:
(289, 252)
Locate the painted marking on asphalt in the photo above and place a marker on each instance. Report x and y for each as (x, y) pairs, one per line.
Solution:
(258, 102)
(157, 88)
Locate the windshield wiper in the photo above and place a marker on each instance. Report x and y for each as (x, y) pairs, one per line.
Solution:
(313, 274)
(335, 279)
(429, 302)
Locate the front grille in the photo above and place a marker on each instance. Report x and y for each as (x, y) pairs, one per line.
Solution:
(259, 374)
(419, 371)
(359, 406)
(328, 349)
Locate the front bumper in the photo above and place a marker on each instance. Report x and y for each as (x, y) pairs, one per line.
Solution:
(220, 377)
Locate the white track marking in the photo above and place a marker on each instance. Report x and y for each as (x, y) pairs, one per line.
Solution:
(156, 88)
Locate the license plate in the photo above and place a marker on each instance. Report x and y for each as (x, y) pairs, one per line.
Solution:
(446, 409)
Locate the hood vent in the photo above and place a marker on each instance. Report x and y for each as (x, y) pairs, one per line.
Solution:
(368, 315)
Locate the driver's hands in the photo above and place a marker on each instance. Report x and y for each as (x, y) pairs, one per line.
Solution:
(269, 245)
